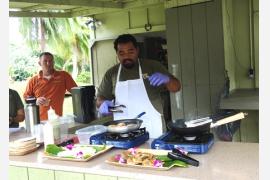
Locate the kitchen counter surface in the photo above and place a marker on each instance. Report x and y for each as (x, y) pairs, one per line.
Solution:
(225, 160)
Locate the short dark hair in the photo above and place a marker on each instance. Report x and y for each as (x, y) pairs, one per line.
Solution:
(125, 38)
(46, 54)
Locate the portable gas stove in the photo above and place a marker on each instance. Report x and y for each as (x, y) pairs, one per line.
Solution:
(121, 140)
(201, 144)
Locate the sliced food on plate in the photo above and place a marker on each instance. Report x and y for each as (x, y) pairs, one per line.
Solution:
(76, 152)
(145, 158)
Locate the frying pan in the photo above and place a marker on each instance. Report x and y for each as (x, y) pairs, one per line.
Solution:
(179, 127)
(130, 125)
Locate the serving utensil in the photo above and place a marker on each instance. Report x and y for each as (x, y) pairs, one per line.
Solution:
(115, 108)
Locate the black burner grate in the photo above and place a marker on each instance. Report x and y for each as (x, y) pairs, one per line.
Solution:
(175, 138)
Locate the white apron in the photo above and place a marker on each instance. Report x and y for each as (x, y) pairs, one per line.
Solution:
(133, 95)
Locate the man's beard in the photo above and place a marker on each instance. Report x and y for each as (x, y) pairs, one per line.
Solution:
(128, 63)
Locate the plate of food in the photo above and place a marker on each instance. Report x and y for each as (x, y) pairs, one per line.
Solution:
(76, 152)
(145, 158)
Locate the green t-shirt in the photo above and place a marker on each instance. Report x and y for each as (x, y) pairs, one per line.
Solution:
(15, 103)
(107, 86)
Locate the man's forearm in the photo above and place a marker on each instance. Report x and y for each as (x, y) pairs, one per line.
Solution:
(19, 118)
(99, 101)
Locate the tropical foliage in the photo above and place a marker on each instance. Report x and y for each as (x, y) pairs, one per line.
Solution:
(22, 65)
(83, 77)
(66, 38)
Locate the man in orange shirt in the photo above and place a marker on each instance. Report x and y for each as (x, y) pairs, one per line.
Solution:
(49, 86)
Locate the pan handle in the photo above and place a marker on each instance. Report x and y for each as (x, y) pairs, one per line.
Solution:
(229, 119)
(139, 115)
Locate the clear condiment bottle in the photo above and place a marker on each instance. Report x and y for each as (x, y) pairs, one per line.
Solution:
(51, 128)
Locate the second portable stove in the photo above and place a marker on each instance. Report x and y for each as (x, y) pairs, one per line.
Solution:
(197, 145)
(121, 140)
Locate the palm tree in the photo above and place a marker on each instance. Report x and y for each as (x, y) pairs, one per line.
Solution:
(67, 37)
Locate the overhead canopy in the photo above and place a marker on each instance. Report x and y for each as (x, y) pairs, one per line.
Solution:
(72, 8)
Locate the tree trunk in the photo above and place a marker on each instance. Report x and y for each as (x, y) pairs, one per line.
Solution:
(75, 61)
(42, 35)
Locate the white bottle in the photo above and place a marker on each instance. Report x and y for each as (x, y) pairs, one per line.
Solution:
(52, 115)
(48, 134)
(51, 128)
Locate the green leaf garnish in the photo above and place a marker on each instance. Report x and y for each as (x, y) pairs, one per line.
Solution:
(99, 148)
(86, 156)
(163, 158)
(175, 163)
(170, 162)
(53, 149)
(69, 157)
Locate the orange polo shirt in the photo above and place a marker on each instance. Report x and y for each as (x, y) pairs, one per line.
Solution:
(53, 89)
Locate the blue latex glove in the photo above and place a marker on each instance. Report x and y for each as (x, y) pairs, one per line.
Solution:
(104, 107)
(157, 79)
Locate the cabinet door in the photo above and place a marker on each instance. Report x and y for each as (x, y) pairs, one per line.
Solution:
(63, 175)
(250, 127)
(174, 64)
(44, 174)
(17, 173)
(99, 177)
(196, 51)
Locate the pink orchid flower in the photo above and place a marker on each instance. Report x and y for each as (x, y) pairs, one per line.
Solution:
(117, 157)
(122, 160)
(79, 154)
(157, 163)
(69, 146)
(132, 150)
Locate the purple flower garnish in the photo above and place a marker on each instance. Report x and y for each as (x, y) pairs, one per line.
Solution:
(69, 146)
(122, 160)
(79, 154)
(132, 151)
(117, 157)
(157, 163)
